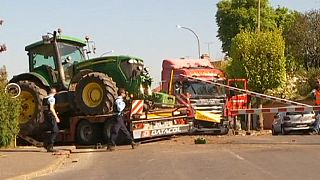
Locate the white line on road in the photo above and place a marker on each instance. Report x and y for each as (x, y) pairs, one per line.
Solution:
(235, 154)
(250, 163)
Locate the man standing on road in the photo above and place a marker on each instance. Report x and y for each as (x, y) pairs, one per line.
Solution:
(51, 118)
(119, 106)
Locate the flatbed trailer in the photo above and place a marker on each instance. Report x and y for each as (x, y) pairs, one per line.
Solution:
(95, 129)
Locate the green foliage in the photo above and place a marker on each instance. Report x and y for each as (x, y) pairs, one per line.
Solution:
(307, 80)
(9, 117)
(303, 39)
(234, 16)
(258, 57)
(288, 91)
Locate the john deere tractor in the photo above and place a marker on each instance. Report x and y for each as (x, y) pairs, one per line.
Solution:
(85, 86)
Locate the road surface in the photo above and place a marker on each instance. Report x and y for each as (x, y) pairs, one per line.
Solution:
(264, 157)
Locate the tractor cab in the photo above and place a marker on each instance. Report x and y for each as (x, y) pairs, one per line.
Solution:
(53, 58)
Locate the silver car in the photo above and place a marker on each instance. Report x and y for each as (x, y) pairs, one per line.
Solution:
(285, 122)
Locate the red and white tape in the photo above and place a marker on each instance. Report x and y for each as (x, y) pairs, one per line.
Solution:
(275, 110)
(251, 93)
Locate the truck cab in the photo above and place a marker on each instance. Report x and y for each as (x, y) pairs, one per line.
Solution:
(206, 100)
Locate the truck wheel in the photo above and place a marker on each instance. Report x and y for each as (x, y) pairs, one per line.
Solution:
(283, 132)
(224, 130)
(87, 133)
(31, 98)
(107, 131)
(274, 133)
(95, 94)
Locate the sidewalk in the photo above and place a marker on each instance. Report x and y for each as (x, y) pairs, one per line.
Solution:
(30, 162)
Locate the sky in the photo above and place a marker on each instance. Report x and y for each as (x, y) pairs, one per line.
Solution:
(141, 28)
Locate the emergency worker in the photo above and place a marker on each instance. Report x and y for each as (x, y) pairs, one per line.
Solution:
(118, 124)
(316, 96)
(51, 119)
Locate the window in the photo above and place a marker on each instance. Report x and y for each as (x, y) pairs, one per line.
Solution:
(43, 55)
(202, 89)
(73, 53)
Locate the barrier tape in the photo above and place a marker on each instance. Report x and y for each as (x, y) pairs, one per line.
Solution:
(251, 93)
(275, 110)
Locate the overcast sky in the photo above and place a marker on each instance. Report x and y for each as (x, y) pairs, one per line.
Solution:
(142, 28)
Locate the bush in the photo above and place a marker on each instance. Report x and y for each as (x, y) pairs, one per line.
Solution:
(10, 109)
(287, 91)
(309, 81)
(298, 85)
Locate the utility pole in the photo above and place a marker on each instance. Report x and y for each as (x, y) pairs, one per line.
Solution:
(209, 43)
(258, 28)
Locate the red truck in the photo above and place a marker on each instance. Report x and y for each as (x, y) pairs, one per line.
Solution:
(208, 103)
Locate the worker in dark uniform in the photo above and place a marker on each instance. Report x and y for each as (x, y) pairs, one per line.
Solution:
(51, 119)
(118, 124)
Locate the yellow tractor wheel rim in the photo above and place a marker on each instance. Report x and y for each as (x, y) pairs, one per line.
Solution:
(92, 94)
(28, 107)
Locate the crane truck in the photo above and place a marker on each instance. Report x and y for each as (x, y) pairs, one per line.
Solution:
(87, 90)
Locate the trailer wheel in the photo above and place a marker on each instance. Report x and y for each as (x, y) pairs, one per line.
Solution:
(107, 131)
(87, 133)
(95, 94)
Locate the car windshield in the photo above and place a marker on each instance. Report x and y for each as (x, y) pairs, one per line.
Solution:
(202, 89)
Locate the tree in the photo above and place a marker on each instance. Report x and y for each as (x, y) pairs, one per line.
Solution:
(234, 16)
(3, 46)
(258, 57)
(3, 75)
(303, 39)
(10, 109)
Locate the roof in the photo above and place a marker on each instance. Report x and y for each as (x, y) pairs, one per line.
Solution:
(67, 39)
(186, 63)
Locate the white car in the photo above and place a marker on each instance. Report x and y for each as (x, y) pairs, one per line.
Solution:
(286, 122)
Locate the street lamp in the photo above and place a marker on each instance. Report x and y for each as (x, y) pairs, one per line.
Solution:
(181, 27)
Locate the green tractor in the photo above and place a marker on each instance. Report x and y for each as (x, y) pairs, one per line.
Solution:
(85, 86)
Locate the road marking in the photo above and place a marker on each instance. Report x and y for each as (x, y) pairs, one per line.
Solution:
(235, 154)
(250, 163)
(2, 155)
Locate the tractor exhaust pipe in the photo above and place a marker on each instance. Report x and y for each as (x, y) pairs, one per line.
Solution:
(58, 59)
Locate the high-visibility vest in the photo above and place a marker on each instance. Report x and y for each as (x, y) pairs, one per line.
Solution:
(318, 98)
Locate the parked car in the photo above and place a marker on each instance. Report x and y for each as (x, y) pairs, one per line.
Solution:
(285, 122)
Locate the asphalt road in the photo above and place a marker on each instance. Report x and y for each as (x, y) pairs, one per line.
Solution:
(289, 157)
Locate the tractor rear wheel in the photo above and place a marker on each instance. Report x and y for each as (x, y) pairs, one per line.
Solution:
(95, 94)
(31, 98)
